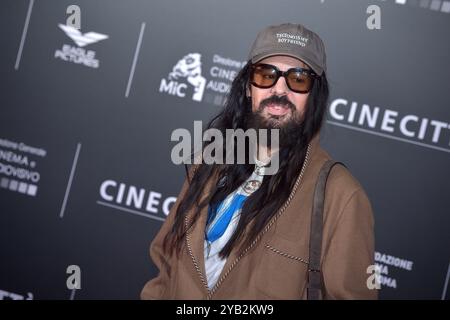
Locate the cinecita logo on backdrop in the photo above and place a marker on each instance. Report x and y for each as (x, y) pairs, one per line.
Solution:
(77, 54)
(390, 123)
(132, 199)
(188, 78)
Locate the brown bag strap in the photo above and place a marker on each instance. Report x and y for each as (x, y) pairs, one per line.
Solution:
(315, 239)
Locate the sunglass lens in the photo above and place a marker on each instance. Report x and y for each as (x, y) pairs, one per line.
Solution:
(299, 81)
(264, 76)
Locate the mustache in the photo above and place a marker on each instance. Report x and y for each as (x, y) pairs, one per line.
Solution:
(280, 100)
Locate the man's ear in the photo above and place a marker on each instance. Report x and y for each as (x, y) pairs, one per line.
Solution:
(247, 91)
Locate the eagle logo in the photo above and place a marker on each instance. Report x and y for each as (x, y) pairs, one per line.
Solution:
(82, 39)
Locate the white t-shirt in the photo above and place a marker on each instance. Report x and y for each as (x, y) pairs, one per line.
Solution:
(213, 263)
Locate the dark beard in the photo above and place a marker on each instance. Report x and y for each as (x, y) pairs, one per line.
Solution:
(290, 131)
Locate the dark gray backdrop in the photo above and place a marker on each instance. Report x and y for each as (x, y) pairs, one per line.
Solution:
(111, 125)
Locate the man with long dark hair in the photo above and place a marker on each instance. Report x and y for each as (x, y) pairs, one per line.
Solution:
(238, 233)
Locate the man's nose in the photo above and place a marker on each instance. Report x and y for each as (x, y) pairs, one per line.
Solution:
(280, 87)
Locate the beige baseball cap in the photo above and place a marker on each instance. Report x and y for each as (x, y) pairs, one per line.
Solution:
(294, 40)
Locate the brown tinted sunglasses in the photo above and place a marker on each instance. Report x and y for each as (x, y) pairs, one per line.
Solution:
(299, 80)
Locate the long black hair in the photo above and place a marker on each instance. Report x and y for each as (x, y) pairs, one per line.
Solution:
(264, 203)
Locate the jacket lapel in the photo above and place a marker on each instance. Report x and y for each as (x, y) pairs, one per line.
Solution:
(194, 240)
